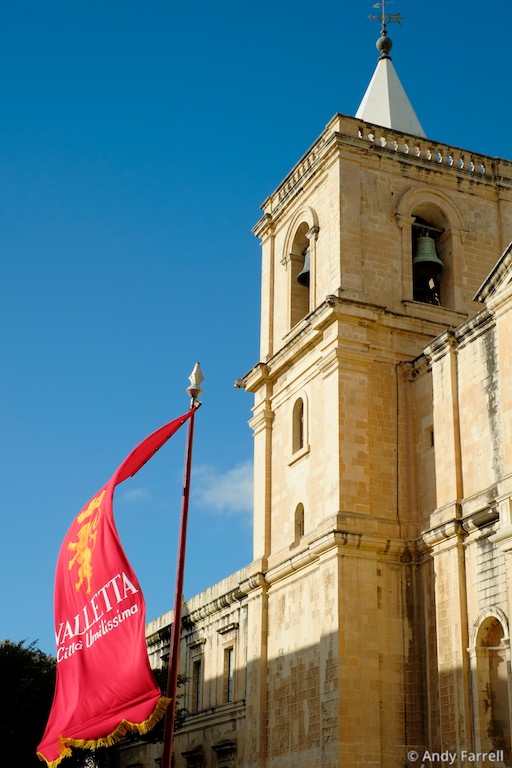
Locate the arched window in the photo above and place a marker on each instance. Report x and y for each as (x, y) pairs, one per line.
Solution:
(299, 432)
(299, 523)
(298, 426)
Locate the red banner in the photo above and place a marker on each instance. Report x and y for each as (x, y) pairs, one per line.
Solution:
(105, 686)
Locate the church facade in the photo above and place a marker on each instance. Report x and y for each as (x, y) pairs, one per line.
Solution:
(372, 626)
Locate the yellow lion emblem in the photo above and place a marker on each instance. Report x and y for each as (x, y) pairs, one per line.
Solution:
(85, 542)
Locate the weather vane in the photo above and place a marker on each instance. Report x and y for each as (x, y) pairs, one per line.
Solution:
(384, 17)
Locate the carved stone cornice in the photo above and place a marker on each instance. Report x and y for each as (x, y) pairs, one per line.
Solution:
(255, 581)
(232, 626)
(232, 596)
(449, 530)
(503, 534)
(357, 543)
(503, 537)
(214, 606)
(441, 346)
(410, 370)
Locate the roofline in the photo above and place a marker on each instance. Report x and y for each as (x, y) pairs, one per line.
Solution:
(359, 133)
(495, 277)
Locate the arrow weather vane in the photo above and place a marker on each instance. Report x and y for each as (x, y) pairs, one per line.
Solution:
(384, 17)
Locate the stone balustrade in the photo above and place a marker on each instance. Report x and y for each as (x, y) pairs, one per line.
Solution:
(413, 148)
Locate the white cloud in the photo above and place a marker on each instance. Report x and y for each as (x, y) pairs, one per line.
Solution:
(134, 495)
(229, 491)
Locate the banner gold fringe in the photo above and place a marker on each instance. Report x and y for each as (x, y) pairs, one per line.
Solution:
(124, 727)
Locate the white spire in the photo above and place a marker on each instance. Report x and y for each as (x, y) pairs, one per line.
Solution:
(385, 101)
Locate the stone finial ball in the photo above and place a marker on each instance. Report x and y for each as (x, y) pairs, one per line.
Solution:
(384, 45)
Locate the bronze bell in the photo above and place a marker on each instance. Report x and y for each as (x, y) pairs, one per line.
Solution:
(427, 267)
(303, 276)
(426, 254)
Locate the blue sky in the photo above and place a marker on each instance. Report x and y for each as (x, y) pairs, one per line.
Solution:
(137, 141)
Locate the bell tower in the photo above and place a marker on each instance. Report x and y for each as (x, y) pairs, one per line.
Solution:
(374, 244)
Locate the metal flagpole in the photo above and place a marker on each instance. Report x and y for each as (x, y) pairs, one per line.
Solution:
(195, 378)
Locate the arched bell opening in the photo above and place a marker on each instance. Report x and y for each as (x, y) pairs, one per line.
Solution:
(422, 212)
(300, 275)
(427, 266)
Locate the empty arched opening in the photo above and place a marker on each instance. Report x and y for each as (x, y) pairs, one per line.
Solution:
(298, 426)
(299, 523)
(492, 706)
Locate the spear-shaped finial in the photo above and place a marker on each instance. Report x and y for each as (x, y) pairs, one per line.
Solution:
(195, 378)
(194, 390)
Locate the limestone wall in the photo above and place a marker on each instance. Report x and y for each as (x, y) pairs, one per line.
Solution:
(357, 204)
(469, 531)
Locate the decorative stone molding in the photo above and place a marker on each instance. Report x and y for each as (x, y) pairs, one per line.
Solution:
(451, 529)
(312, 234)
(441, 346)
(256, 581)
(194, 757)
(305, 215)
(162, 636)
(215, 606)
(262, 419)
(264, 226)
(197, 643)
(252, 380)
(226, 752)
(408, 370)
(503, 535)
(474, 327)
(229, 598)
(228, 628)
(427, 152)
(417, 196)
(479, 519)
(369, 544)
(404, 220)
(418, 549)
(343, 131)
(498, 275)
(489, 613)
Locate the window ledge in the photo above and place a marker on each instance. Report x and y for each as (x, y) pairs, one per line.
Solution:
(298, 455)
(437, 312)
